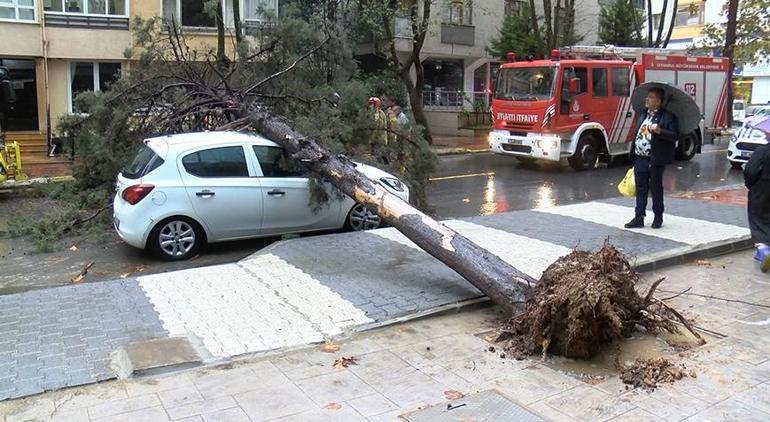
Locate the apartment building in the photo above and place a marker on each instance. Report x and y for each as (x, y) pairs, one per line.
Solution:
(56, 49)
(690, 18)
(458, 70)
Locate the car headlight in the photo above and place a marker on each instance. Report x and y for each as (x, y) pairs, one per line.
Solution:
(393, 183)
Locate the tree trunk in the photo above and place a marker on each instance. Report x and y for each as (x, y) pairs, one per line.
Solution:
(237, 19)
(502, 283)
(221, 57)
(729, 52)
(662, 23)
(535, 24)
(548, 22)
(557, 23)
(671, 27)
(414, 89)
(649, 23)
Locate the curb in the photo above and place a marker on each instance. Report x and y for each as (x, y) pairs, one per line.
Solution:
(458, 151)
(647, 264)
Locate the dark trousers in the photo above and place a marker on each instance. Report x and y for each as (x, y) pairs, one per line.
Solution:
(649, 179)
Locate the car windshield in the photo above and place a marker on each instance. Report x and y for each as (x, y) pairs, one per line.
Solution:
(145, 161)
(737, 106)
(525, 83)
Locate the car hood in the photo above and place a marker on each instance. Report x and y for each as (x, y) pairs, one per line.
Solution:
(372, 172)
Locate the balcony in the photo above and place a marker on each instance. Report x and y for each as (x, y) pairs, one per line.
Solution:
(458, 34)
(81, 21)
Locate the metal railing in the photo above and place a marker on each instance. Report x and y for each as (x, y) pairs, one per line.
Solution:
(456, 100)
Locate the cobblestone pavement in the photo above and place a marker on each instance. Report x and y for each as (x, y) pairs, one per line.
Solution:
(406, 367)
(308, 290)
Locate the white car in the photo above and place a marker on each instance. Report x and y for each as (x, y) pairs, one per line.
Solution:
(743, 143)
(739, 111)
(181, 191)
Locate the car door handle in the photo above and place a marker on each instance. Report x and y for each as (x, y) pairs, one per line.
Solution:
(205, 193)
(276, 192)
(586, 116)
(629, 114)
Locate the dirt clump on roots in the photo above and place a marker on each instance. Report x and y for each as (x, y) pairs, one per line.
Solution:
(583, 302)
(649, 374)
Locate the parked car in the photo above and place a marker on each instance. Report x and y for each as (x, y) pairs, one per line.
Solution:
(748, 138)
(739, 110)
(182, 191)
(756, 111)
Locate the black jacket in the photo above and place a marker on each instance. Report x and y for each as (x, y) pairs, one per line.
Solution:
(663, 145)
(756, 175)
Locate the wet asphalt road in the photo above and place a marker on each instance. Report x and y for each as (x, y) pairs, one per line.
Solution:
(484, 183)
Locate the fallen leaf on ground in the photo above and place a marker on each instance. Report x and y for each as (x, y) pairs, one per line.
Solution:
(330, 348)
(703, 263)
(333, 406)
(77, 279)
(73, 248)
(453, 394)
(345, 361)
(124, 275)
(466, 200)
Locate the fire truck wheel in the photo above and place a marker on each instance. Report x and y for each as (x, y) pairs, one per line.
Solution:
(586, 154)
(685, 149)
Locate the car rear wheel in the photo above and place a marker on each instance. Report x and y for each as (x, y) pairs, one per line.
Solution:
(361, 218)
(175, 239)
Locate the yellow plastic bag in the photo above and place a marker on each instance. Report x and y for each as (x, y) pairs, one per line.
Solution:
(627, 186)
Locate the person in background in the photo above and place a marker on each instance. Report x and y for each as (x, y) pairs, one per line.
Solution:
(652, 148)
(756, 176)
(401, 117)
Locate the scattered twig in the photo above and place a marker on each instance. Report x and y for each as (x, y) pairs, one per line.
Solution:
(80, 221)
(678, 294)
(78, 278)
(291, 67)
(682, 319)
(761, 305)
(648, 296)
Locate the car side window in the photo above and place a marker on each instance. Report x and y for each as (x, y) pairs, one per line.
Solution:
(217, 162)
(275, 163)
(599, 79)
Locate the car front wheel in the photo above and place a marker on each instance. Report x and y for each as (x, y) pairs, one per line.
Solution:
(175, 239)
(361, 218)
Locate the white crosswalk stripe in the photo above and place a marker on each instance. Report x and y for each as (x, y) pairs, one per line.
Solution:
(691, 231)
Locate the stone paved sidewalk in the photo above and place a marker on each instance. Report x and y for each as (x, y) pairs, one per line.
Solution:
(308, 290)
(407, 367)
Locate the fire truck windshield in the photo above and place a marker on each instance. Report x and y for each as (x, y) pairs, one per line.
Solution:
(525, 83)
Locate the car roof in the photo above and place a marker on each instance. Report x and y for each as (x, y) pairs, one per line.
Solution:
(184, 141)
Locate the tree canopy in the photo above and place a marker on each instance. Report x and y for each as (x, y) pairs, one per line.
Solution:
(752, 38)
(620, 24)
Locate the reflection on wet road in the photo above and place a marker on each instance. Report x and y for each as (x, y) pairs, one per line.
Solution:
(483, 184)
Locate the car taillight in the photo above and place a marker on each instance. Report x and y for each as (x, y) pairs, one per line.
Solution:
(136, 193)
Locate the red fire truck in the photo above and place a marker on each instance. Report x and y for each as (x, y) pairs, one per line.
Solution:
(577, 104)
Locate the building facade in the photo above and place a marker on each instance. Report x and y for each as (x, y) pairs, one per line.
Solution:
(751, 82)
(56, 49)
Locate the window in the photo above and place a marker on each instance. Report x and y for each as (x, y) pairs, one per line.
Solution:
(89, 7)
(575, 72)
(88, 76)
(459, 12)
(599, 82)
(145, 161)
(513, 7)
(217, 162)
(196, 13)
(19, 112)
(17, 10)
(275, 163)
(620, 82)
(690, 14)
(255, 10)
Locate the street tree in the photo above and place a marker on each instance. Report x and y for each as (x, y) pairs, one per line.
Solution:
(517, 35)
(380, 19)
(745, 38)
(620, 24)
(277, 91)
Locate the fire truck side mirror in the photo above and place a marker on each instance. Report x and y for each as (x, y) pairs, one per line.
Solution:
(574, 86)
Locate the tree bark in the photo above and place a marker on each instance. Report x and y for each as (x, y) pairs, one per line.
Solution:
(662, 23)
(556, 22)
(548, 23)
(221, 57)
(535, 25)
(671, 27)
(729, 52)
(237, 19)
(501, 282)
(649, 23)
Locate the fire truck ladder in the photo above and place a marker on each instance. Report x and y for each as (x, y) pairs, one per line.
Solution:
(610, 51)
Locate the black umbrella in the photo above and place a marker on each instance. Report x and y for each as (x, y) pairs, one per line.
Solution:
(676, 101)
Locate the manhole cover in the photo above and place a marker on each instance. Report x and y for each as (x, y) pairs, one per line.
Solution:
(487, 405)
